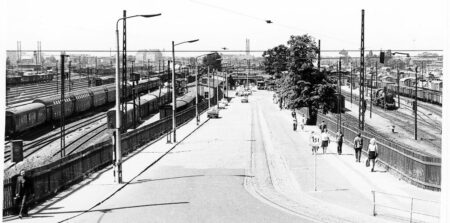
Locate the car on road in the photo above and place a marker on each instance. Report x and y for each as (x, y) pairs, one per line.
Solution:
(244, 100)
(224, 101)
(213, 113)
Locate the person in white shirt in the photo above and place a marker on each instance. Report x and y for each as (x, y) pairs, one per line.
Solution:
(373, 152)
(314, 141)
(325, 137)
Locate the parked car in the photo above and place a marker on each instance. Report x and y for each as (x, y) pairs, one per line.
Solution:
(213, 113)
(224, 101)
(244, 100)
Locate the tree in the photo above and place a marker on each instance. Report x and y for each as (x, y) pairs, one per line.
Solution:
(302, 53)
(275, 60)
(213, 61)
(304, 85)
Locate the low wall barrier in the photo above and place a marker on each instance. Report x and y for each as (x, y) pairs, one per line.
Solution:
(418, 169)
(52, 178)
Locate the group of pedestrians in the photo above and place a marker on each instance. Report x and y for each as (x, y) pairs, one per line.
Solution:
(295, 122)
(322, 140)
(372, 150)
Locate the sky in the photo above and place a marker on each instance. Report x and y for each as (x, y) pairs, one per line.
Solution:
(90, 25)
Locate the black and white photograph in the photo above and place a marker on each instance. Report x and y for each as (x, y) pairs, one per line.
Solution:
(225, 111)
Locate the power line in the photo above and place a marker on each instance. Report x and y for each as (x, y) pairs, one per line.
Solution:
(201, 51)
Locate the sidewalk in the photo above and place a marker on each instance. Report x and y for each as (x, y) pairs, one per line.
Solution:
(341, 182)
(100, 186)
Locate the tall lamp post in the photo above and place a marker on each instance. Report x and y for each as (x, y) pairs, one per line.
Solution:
(196, 87)
(174, 105)
(414, 106)
(118, 151)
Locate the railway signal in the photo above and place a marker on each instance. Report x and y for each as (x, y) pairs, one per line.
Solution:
(16, 151)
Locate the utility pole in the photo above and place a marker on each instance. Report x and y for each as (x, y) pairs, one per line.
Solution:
(133, 94)
(351, 84)
(318, 60)
(123, 100)
(70, 82)
(57, 78)
(339, 96)
(371, 91)
(398, 87)
(63, 127)
(415, 106)
(209, 91)
(362, 103)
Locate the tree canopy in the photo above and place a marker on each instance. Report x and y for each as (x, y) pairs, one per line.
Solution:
(275, 60)
(303, 85)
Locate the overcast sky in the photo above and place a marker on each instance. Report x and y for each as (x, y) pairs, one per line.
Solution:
(90, 25)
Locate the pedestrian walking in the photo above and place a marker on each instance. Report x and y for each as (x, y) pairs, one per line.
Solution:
(294, 122)
(23, 192)
(314, 141)
(325, 138)
(322, 126)
(294, 115)
(373, 152)
(339, 141)
(357, 145)
(302, 122)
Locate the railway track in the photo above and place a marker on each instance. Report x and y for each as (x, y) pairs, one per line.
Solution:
(17, 97)
(425, 128)
(33, 146)
(81, 142)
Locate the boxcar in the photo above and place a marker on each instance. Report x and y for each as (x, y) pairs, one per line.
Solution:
(21, 118)
(110, 93)
(53, 106)
(82, 100)
(182, 103)
(98, 96)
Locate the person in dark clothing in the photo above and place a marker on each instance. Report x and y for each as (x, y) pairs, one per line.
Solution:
(339, 140)
(322, 126)
(358, 144)
(23, 192)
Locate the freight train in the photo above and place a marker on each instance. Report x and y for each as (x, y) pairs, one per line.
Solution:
(423, 94)
(146, 105)
(16, 80)
(48, 109)
(182, 103)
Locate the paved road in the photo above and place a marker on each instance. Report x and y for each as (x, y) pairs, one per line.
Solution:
(201, 180)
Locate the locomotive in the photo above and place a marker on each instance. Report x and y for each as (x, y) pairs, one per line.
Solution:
(383, 98)
(48, 109)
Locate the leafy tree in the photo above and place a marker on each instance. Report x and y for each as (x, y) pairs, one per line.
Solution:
(275, 60)
(213, 61)
(304, 85)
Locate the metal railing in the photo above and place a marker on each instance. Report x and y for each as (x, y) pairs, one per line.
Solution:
(52, 178)
(411, 204)
(418, 169)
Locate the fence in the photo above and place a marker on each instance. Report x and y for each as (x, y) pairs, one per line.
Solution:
(418, 169)
(50, 179)
(409, 209)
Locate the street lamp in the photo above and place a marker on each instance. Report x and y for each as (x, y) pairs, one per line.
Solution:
(196, 87)
(118, 164)
(174, 106)
(414, 107)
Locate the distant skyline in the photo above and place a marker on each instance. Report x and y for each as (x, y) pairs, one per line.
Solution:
(90, 25)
